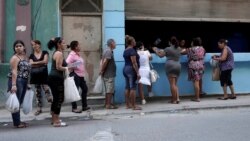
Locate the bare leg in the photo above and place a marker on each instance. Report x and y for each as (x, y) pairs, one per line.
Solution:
(177, 91)
(140, 90)
(173, 89)
(225, 91)
(232, 90)
(127, 96)
(197, 89)
(133, 100)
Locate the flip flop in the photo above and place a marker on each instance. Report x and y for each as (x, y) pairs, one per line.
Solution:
(137, 108)
(195, 100)
(60, 124)
(38, 112)
(222, 98)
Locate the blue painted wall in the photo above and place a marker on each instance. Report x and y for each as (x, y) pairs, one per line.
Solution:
(113, 27)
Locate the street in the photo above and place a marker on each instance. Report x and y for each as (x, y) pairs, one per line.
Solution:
(196, 125)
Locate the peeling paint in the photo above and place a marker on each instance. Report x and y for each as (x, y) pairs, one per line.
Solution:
(21, 28)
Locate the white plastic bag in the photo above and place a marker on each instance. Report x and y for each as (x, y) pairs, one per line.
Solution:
(71, 93)
(214, 63)
(98, 88)
(154, 75)
(12, 103)
(145, 76)
(28, 101)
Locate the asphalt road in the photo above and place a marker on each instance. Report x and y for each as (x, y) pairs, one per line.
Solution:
(203, 125)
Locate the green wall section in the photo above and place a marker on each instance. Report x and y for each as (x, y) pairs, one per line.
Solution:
(10, 29)
(45, 19)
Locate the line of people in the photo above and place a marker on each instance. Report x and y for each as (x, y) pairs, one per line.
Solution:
(35, 67)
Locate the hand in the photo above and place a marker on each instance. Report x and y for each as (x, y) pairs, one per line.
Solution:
(138, 77)
(154, 49)
(101, 73)
(13, 89)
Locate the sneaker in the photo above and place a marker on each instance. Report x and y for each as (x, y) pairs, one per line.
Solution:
(143, 102)
(150, 94)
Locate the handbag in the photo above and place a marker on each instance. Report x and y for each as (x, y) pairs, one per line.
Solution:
(71, 93)
(216, 74)
(153, 74)
(38, 70)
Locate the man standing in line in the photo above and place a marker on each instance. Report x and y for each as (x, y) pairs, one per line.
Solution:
(108, 71)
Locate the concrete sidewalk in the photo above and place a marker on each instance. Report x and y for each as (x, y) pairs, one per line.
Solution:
(153, 105)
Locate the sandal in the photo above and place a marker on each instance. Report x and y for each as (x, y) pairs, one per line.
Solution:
(38, 112)
(111, 107)
(232, 97)
(137, 108)
(195, 100)
(223, 98)
(60, 124)
(22, 125)
(50, 99)
(76, 111)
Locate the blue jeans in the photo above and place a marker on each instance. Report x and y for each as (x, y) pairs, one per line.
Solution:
(130, 77)
(21, 85)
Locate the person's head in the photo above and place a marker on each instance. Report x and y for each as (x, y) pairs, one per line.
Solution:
(74, 45)
(173, 41)
(222, 43)
(196, 42)
(182, 43)
(19, 47)
(58, 43)
(36, 44)
(139, 45)
(111, 43)
(130, 41)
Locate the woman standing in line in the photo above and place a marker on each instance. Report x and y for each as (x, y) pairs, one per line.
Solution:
(195, 56)
(78, 71)
(56, 79)
(172, 66)
(226, 60)
(39, 73)
(131, 72)
(18, 78)
(144, 71)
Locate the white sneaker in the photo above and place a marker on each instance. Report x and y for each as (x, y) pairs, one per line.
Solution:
(150, 94)
(143, 102)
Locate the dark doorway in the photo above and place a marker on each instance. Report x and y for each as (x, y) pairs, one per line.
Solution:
(237, 34)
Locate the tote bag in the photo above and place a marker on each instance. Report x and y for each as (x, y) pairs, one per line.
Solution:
(216, 74)
(71, 93)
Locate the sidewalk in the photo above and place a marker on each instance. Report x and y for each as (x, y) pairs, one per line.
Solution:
(153, 105)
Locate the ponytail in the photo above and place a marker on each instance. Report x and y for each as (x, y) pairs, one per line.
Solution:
(53, 42)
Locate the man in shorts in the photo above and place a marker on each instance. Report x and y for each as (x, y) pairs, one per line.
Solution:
(108, 71)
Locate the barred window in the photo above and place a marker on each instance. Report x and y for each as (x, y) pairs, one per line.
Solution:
(81, 6)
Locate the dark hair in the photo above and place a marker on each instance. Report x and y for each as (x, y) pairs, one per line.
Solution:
(73, 45)
(174, 41)
(223, 41)
(37, 42)
(129, 40)
(197, 41)
(139, 45)
(17, 42)
(53, 43)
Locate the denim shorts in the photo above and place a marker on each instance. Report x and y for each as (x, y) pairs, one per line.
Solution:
(130, 77)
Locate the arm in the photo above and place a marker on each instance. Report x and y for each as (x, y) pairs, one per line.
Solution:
(223, 56)
(13, 64)
(135, 65)
(43, 62)
(58, 56)
(104, 66)
(184, 51)
(159, 52)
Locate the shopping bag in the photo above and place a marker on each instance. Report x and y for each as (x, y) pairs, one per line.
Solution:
(153, 75)
(216, 74)
(12, 103)
(98, 88)
(28, 101)
(71, 93)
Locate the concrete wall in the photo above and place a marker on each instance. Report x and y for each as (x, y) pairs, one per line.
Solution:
(114, 27)
(2, 12)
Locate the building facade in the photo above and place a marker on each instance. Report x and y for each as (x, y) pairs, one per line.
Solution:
(93, 22)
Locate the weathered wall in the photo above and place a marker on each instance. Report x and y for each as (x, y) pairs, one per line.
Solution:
(2, 12)
(195, 10)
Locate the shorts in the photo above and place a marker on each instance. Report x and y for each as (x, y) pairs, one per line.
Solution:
(130, 77)
(109, 85)
(226, 77)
